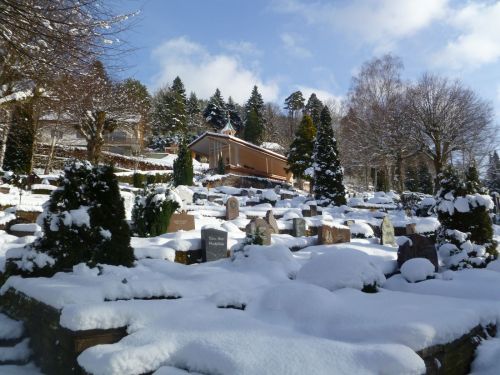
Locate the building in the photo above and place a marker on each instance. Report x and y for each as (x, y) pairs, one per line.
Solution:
(240, 157)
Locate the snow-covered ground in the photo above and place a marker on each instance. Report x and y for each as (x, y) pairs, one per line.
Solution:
(268, 310)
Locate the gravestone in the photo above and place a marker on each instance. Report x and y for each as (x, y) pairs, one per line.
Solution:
(387, 232)
(197, 196)
(259, 227)
(418, 247)
(213, 244)
(244, 193)
(314, 210)
(181, 221)
(273, 224)
(277, 189)
(306, 212)
(232, 208)
(251, 193)
(286, 196)
(411, 228)
(330, 235)
(299, 227)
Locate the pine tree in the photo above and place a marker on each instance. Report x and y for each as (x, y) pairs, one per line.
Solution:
(183, 166)
(425, 180)
(294, 103)
(254, 122)
(215, 112)
(328, 175)
(313, 108)
(301, 150)
(84, 221)
(20, 140)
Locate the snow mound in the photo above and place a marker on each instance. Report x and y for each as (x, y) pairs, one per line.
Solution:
(343, 268)
(417, 269)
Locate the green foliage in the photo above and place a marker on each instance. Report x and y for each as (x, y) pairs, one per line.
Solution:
(84, 221)
(19, 146)
(294, 103)
(152, 212)
(300, 155)
(254, 122)
(138, 180)
(169, 110)
(215, 112)
(183, 166)
(328, 175)
(425, 180)
(493, 173)
(221, 168)
(313, 108)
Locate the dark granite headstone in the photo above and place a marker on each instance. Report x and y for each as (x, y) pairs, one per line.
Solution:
(273, 224)
(181, 221)
(299, 227)
(197, 196)
(244, 193)
(213, 244)
(418, 247)
(387, 232)
(314, 210)
(232, 208)
(306, 212)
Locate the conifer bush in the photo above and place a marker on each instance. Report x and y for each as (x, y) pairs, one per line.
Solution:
(84, 221)
(152, 211)
(183, 166)
(465, 238)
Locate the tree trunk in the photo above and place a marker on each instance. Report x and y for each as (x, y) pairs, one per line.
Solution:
(96, 141)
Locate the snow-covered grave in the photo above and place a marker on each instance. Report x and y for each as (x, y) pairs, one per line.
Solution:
(339, 308)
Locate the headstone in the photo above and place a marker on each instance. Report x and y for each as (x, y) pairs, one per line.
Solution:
(213, 244)
(411, 228)
(409, 212)
(387, 232)
(232, 208)
(197, 196)
(314, 210)
(341, 235)
(299, 227)
(325, 235)
(273, 224)
(418, 247)
(286, 196)
(244, 193)
(277, 189)
(251, 193)
(306, 212)
(181, 221)
(4, 189)
(259, 226)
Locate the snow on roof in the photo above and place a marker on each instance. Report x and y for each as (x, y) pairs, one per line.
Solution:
(273, 146)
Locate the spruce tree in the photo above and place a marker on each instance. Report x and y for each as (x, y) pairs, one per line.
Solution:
(411, 179)
(425, 180)
(84, 221)
(234, 110)
(313, 108)
(300, 155)
(493, 173)
(183, 166)
(20, 140)
(328, 175)
(215, 112)
(194, 117)
(254, 122)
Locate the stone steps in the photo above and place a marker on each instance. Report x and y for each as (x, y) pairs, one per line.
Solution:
(14, 345)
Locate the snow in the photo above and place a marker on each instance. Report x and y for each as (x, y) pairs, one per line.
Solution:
(486, 358)
(417, 269)
(25, 228)
(19, 352)
(10, 329)
(341, 269)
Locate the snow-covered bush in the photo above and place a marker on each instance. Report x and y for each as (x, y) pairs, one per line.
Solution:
(463, 212)
(152, 211)
(84, 221)
(417, 269)
(343, 268)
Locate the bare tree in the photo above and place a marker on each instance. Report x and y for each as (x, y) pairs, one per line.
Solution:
(445, 117)
(374, 133)
(276, 129)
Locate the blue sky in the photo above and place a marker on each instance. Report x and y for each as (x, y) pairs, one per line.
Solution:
(315, 45)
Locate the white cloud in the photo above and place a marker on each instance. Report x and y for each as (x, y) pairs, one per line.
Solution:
(478, 41)
(322, 95)
(292, 44)
(203, 72)
(380, 23)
